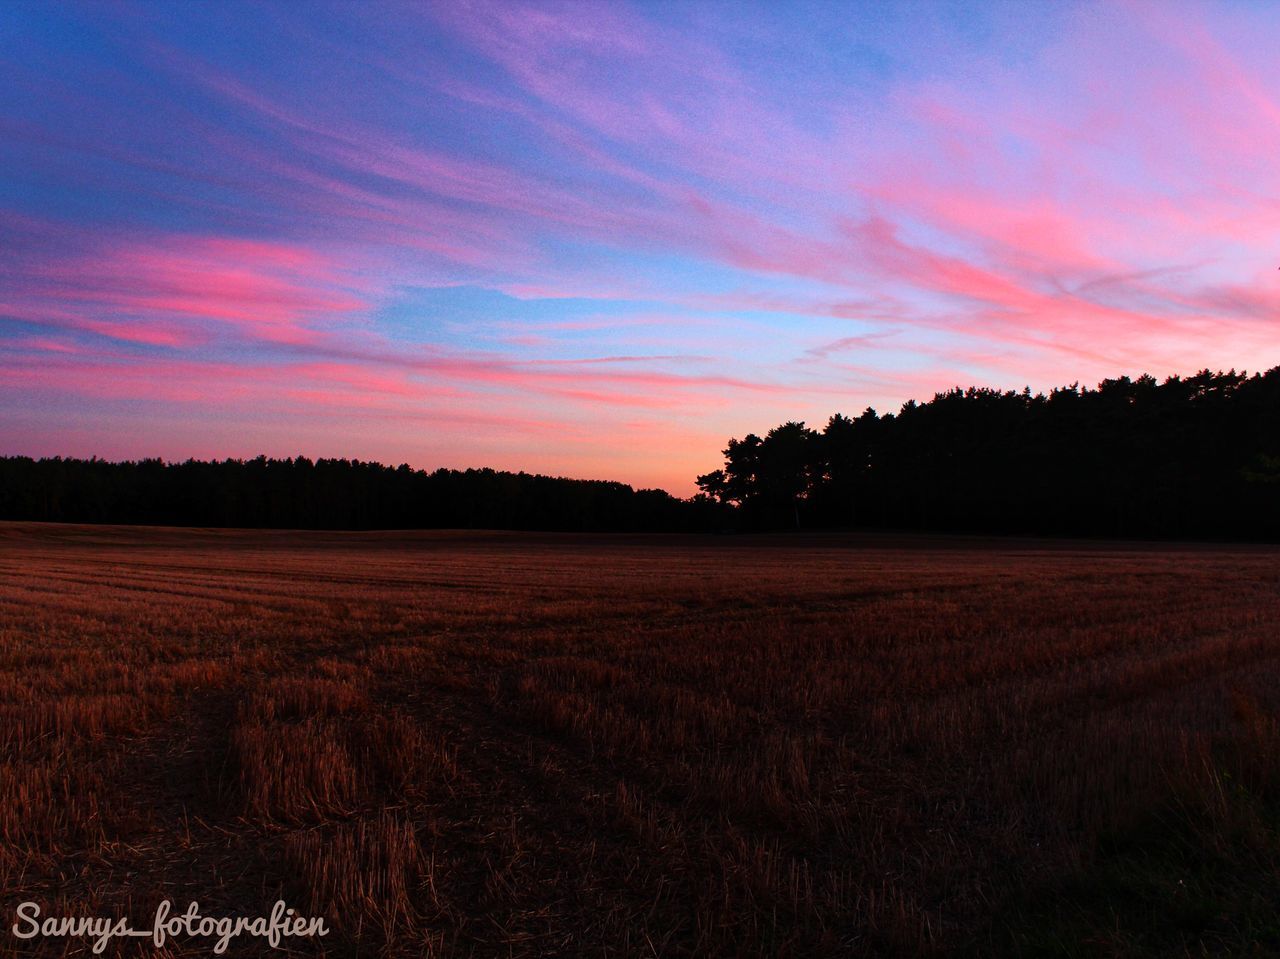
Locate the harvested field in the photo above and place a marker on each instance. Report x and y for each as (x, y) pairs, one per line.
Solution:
(464, 744)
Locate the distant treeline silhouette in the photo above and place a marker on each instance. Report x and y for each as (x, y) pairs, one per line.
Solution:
(1190, 457)
(1194, 457)
(300, 493)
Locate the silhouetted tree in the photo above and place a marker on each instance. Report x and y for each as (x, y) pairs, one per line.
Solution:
(769, 478)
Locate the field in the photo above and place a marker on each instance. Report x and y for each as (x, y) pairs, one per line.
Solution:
(525, 744)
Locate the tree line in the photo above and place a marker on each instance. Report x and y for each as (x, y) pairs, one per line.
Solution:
(299, 493)
(1195, 456)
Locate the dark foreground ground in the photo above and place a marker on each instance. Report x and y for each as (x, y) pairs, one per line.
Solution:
(524, 745)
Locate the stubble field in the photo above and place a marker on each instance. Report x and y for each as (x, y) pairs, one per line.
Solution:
(524, 744)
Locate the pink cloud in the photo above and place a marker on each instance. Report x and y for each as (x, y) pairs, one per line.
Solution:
(182, 291)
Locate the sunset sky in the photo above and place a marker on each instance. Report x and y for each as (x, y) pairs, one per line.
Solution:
(598, 239)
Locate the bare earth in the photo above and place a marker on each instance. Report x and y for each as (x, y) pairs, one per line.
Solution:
(523, 744)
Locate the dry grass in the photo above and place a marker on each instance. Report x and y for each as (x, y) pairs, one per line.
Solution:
(502, 745)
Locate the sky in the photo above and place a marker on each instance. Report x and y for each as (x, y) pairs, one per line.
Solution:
(599, 239)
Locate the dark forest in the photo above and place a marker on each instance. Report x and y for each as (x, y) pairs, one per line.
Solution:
(299, 493)
(1190, 457)
(1193, 457)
